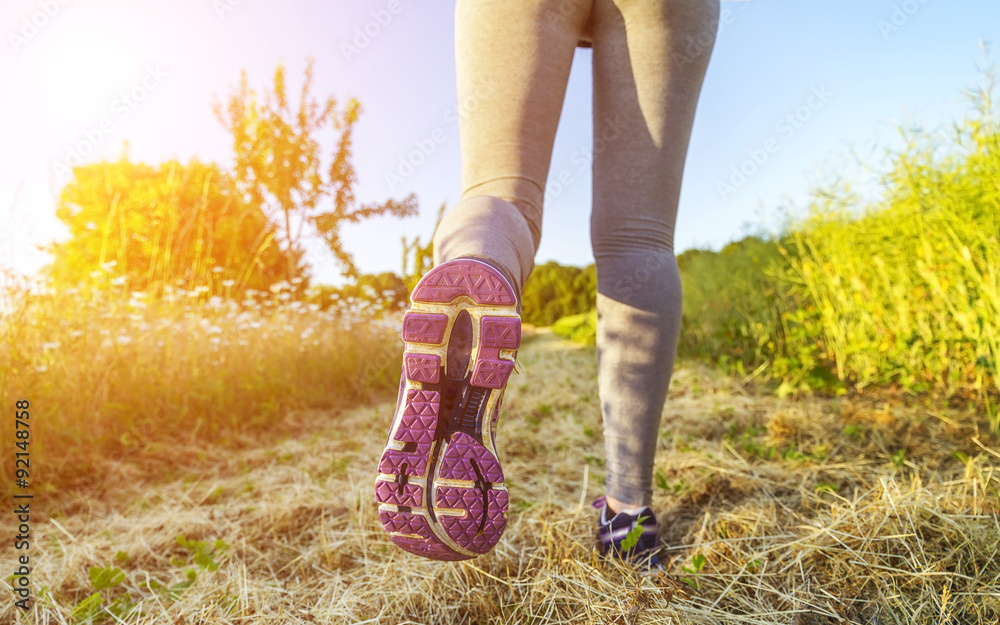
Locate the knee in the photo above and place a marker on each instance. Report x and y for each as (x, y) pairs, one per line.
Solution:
(632, 235)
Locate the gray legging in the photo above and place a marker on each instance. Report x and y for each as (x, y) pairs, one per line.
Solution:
(650, 58)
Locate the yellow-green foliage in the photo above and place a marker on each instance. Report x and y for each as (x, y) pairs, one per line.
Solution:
(581, 328)
(904, 293)
(554, 291)
(909, 294)
(119, 374)
(176, 224)
(731, 304)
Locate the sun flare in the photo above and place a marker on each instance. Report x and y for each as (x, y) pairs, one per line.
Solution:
(79, 73)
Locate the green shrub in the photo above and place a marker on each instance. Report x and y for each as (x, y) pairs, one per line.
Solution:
(581, 328)
(554, 291)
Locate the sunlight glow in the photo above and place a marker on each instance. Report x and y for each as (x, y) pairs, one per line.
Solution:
(81, 73)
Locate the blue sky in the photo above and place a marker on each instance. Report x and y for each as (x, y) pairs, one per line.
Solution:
(848, 72)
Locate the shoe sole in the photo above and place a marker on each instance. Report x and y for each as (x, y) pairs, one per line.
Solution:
(440, 487)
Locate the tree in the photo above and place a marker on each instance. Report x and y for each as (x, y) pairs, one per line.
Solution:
(278, 164)
(160, 225)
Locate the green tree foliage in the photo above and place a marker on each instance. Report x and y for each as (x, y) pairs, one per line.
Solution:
(278, 164)
(553, 291)
(167, 224)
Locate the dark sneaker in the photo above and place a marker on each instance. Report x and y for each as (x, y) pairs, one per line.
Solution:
(613, 532)
(440, 487)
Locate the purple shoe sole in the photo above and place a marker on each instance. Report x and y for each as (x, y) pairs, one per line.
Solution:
(440, 487)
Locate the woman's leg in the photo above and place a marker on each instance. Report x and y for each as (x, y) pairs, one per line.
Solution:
(647, 78)
(513, 61)
(440, 487)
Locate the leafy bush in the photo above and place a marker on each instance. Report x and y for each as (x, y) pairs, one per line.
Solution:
(554, 291)
(174, 224)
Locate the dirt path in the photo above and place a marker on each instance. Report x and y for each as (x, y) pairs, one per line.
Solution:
(799, 508)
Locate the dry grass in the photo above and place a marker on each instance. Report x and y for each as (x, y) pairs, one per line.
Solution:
(815, 511)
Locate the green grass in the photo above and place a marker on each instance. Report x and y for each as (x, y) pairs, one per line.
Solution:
(117, 375)
(581, 328)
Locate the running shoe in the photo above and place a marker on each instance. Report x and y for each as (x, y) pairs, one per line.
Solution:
(611, 533)
(440, 488)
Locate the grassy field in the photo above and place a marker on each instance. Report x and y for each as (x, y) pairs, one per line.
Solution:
(830, 452)
(116, 374)
(772, 511)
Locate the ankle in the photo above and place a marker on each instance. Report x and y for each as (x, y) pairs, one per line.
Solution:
(617, 505)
